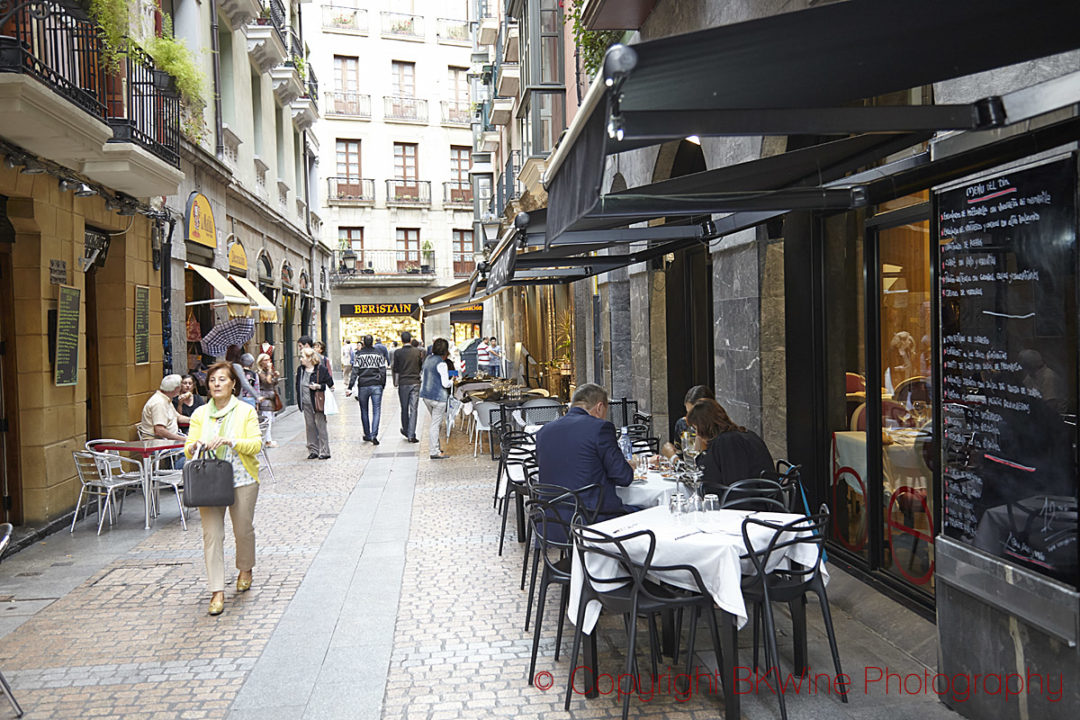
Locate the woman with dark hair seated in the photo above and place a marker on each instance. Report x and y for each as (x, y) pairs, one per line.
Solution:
(698, 392)
(731, 453)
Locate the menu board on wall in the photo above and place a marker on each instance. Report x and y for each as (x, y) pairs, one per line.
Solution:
(142, 324)
(1009, 365)
(66, 352)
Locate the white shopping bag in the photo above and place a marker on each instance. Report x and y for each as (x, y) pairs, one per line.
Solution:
(330, 406)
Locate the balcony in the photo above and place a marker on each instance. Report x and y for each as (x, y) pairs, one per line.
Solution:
(508, 180)
(54, 103)
(511, 43)
(402, 26)
(456, 113)
(502, 111)
(488, 32)
(338, 18)
(287, 82)
(397, 108)
(454, 32)
(266, 43)
(457, 193)
(379, 266)
(488, 141)
(348, 104)
(305, 109)
(350, 191)
(408, 193)
(464, 264)
(508, 80)
(239, 13)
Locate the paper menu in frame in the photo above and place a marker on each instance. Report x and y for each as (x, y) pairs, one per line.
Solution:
(66, 352)
(142, 324)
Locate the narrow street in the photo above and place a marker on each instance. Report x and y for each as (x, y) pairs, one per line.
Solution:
(377, 594)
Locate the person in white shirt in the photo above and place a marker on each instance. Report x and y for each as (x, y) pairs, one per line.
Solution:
(483, 358)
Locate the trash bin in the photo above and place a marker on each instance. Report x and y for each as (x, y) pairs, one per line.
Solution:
(468, 357)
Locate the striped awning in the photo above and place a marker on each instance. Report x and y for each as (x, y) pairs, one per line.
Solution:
(267, 311)
(239, 306)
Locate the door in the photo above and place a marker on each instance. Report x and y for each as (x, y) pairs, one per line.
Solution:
(346, 85)
(406, 172)
(10, 487)
(349, 184)
(689, 299)
(288, 311)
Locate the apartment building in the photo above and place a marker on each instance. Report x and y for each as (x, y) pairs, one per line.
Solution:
(395, 159)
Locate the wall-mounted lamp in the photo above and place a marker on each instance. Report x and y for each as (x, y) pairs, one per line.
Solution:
(32, 167)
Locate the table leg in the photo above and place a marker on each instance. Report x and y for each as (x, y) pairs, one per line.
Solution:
(590, 663)
(667, 633)
(729, 646)
(146, 488)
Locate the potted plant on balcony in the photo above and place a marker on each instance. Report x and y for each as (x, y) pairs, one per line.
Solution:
(412, 269)
(427, 257)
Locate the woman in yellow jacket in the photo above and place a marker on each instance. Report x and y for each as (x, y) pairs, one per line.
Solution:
(230, 429)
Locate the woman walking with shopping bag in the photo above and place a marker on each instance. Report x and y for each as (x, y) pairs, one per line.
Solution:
(229, 430)
(313, 384)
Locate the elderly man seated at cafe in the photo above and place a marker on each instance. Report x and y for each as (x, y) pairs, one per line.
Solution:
(580, 449)
(159, 417)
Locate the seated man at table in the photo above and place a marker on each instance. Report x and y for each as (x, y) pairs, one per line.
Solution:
(579, 449)
(159, 417)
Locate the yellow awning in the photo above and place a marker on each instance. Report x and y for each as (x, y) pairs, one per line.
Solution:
(239, 306)
(267, 311)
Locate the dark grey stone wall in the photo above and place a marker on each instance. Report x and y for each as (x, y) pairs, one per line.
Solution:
(736, 328)
(620, 346)
(640, 340)
(583, 331)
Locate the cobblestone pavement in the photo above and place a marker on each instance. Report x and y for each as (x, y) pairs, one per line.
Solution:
(372, 598)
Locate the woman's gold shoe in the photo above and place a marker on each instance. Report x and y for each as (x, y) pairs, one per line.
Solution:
(243, 584)
(217, 604)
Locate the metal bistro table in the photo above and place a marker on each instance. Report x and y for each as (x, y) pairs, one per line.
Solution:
(146, 450)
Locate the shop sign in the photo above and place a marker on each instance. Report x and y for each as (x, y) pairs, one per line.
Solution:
(376, 309)
(199, 221)
(470, 315)
(502, 270)
(238, 257)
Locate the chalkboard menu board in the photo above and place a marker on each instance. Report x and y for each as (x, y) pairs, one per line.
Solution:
(1009, 348)
(142, 324)
(66, 357)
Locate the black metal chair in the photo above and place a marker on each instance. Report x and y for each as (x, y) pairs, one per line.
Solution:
(645, 445)
(508, 440)
(5, 538)
(643, 418)
(789, 584)
(518, 460)
(759, 494)
(621, 412)
(630, 594)
(790, 478)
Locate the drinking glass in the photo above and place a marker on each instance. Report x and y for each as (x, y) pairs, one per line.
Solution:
(677, 504)
(712, 503)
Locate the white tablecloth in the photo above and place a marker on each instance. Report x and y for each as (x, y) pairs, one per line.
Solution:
(644, 494)
(716, 553)
(902, 459)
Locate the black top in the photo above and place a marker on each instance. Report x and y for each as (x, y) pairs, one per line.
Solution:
(406, 368)
(733, 456)
(197, 401)
(319, 375)
(368, 368)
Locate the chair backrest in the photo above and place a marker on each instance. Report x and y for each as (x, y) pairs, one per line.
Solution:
(542, 402)
(637, 430)
(540, 414)
(809, 530)
(5, 537)
(912, 389)
(646, 445)
(621, 412)
(483, 412)
(755, 494)
(516, 438)
(91, 466)
(551, 510)
(611, 588)
(790, 478)
(642, 418)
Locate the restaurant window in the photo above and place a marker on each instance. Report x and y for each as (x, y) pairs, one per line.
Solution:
(542, 121)
(463, 253)
(351, 239)
(408, 250)
(348, 168)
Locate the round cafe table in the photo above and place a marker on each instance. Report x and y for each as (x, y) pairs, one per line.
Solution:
(146, 449)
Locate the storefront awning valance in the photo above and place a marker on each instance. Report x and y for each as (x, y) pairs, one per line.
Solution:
(752, 78)
(267, 311)
(239, 306)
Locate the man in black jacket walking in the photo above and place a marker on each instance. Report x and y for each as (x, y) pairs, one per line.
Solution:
(369, 376)
(406, 369)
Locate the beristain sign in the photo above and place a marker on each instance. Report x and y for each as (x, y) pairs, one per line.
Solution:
(369, 309)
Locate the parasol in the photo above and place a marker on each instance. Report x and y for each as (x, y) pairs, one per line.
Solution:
(234, 331)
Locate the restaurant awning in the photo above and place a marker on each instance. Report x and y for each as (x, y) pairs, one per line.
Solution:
(751, 78)
(267, 311)
(238, 305)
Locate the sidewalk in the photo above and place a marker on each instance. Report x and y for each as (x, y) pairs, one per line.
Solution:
(377, 594)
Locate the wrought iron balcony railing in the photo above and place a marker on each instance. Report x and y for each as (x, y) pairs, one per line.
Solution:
(409, 109)
(339, 17)
(464, 264)
(312, 85)
(359, 264)
(408, 192)
(351, 104)
(456, 112)
(62, 51)
(295, 47)
(402, 25)
(147, 109)
(454, 31)
(457, 192)
(350, 191)
(509, 178)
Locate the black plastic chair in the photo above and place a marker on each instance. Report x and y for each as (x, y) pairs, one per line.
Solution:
(643, 418)
(630, 594)
(790, 478)
(518, 460)
(789, 584)
(645, 445)
(5, 538)
(759, 494)
(506, 441)
(621, 412)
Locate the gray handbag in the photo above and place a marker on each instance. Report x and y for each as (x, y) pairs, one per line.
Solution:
(208, 481)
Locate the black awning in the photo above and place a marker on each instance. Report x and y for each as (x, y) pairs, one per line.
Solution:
(753, 78)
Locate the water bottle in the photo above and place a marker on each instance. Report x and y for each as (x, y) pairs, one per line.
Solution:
(626, 444)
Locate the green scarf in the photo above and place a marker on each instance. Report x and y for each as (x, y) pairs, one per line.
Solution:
(224, 421)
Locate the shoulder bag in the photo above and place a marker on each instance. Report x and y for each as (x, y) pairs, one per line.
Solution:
(208, 481)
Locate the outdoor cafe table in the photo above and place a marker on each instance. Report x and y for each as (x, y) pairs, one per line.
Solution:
(146, 450)
(644, 492)
(711, 542)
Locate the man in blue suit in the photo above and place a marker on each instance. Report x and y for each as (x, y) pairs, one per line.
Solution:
(580, 449)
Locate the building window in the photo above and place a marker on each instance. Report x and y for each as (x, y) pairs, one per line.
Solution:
(405, 168)
(349, 181)
(458, 85)
(403, 78)
(346, 85)
(460, 163)
(463, 253)
(542, 121)
(351, 239)
(550, 42)
(408, 249)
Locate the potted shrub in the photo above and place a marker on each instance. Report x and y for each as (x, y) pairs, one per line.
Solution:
(427, 257)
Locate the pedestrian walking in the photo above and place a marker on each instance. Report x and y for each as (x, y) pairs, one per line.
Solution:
(312, 378)
(435, 391)
(320, 347)
(268, 403)
(406, 372)
(229, 429)
(369, 376)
